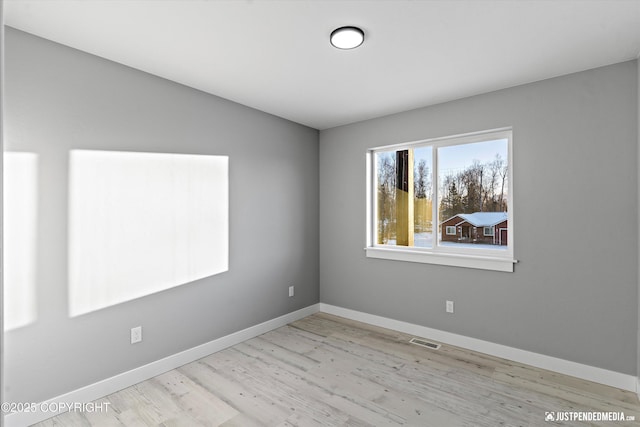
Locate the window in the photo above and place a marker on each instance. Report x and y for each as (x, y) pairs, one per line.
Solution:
(445, 201)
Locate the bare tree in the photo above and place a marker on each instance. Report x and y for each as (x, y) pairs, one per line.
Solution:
(503, 171)
(386, 196)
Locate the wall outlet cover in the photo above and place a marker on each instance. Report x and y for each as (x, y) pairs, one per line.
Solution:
(449, 306)
(136, 334)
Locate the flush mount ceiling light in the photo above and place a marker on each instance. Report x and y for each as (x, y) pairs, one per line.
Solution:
(347, 37)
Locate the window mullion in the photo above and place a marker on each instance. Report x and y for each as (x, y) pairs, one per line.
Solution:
(435, 222)
(404, 198)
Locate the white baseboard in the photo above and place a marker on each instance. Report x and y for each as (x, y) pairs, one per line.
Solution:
(590, 373)
(134, 376)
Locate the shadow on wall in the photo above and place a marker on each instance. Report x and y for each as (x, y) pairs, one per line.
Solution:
(138, 223)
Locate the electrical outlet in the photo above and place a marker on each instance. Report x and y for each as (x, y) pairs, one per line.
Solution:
(291, 291)
(136, 334)
(449, 306)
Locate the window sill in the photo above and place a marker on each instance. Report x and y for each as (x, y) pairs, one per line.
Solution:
(455, 260)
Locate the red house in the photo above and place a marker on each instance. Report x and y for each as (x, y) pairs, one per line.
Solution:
(478, 227)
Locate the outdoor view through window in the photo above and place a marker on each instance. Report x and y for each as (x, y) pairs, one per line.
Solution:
(449, 194)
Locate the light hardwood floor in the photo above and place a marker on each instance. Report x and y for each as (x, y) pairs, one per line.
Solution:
(324, 370)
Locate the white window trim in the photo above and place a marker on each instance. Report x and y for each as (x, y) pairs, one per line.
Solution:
(450, 259)
(484, 259)
(454, 230)
(484, 231)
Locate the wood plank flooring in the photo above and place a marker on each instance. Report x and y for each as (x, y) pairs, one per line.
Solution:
(324, 370)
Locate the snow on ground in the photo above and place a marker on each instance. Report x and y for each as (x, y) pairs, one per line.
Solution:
(425, 240)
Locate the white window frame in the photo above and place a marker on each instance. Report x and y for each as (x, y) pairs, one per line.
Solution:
(486, 259)
(491, 233)
(451, 227)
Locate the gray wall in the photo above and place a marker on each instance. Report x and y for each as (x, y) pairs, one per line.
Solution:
(2, 399)
(58, 99)
(574, 294)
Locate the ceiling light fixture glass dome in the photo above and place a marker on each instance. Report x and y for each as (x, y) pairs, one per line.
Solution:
(347, 37)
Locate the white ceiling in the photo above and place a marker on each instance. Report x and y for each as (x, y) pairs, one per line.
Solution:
(275, 55)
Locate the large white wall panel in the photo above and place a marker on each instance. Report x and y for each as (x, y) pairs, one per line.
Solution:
(19, 238)
(140, 223)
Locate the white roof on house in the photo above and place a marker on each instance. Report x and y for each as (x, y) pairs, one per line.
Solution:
(484, 219)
